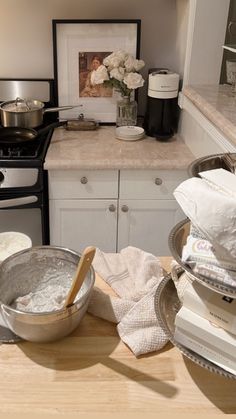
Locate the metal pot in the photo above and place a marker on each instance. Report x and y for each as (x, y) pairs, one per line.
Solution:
(26, 113)
(26, 271)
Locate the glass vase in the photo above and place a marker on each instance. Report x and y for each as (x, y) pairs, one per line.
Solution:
(126, 112)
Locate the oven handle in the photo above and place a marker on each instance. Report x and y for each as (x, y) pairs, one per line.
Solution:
(7, 203)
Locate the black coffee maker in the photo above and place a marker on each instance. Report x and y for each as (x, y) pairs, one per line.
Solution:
(161, 117)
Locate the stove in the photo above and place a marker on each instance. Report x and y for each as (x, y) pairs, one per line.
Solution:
(23, 180)
(31, 154)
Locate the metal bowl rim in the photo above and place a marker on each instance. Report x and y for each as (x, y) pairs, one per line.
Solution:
(216, 286)
(49, 313)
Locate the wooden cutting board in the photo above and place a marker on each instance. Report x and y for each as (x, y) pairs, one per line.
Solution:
(92, 371)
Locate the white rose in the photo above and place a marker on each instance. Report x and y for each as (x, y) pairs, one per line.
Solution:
(139, 64)
(114, 60)
(129, 63)
(121, 55)
(117, 73)
(99, 75)
(133, 80)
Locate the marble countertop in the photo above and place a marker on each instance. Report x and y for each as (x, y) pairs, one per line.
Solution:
(101, 150)
(218, 104)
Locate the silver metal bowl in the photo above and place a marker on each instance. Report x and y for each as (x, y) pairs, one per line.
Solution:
(21, 274)
(177, 239)
(225, 161)
(167, 305)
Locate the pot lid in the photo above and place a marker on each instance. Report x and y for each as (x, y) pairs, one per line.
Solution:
(22, 105)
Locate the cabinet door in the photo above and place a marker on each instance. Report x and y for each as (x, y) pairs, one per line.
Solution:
(147, 223)
(80, 223)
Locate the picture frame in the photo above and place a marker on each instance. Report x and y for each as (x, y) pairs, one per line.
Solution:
(76, 46)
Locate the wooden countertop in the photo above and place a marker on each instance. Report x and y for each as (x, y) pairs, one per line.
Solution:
(92, 371)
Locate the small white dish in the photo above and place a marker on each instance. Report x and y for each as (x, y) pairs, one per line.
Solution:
(129, 133)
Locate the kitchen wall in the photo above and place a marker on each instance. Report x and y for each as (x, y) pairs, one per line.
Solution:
(26, 32)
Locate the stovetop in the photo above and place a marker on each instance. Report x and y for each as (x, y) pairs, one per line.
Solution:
(29, 154)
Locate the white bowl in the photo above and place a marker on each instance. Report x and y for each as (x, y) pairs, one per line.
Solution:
(12, 242)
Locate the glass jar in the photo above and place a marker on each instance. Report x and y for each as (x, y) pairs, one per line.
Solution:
(126, 112)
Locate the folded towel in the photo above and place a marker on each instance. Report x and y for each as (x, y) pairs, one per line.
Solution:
(222, 180)
(135, 276)
(211, 207)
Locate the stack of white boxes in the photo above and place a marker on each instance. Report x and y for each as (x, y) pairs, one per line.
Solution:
(206, 324)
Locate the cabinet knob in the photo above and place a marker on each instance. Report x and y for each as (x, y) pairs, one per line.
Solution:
(112, 208)
(124, 208)
(158, 181)
(84, 180)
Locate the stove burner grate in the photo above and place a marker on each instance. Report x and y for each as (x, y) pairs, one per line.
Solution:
(20, 152)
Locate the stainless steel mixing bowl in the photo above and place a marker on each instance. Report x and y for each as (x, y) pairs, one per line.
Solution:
(21, 274)
(177, 239)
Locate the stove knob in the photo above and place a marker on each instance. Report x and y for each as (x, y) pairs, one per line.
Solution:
(1, 177)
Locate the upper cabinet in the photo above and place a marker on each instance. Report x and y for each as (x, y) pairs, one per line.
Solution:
(206, 28)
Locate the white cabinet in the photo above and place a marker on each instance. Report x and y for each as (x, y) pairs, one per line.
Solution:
(77, 223)
(207, 21)
(199, 133)
(83, 208)
(146, 224)
(147, 208)
(111, 209)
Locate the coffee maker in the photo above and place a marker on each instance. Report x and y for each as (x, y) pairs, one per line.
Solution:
(161, 117)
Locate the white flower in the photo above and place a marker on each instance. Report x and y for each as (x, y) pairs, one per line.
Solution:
(139, 64)
(117, 73)
(133, 80)
(131, 64)
(100, 75)
(116, 59)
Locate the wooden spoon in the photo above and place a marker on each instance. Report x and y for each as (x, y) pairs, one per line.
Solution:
(82, 269)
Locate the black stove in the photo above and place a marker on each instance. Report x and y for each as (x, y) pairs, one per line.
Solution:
(28, 154)
(23, 181)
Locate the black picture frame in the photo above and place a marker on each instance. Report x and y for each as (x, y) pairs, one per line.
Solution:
(74, 37)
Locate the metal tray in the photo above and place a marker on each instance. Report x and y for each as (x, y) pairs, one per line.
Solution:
(176, 241)
(167, 305)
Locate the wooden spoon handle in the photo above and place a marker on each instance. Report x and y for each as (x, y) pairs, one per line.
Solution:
(82, 269)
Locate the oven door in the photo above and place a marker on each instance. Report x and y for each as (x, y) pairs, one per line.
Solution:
(22, 213)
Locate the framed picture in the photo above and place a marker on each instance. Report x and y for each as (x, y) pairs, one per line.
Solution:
(79, 48)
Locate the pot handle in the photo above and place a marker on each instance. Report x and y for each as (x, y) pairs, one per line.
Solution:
(61, 108)
(50, 126)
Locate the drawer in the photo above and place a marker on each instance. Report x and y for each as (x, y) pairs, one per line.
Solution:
(73, 184)
(150, 184)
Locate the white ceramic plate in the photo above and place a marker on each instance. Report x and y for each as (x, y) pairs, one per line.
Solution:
(129, 131)
(130, 139)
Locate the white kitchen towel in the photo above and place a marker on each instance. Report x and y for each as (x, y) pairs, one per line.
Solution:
(135, 276)
(212, 210)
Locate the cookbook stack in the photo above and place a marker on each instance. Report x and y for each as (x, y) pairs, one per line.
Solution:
(206, 322)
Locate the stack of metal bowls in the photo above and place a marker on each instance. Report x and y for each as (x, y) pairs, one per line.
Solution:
(179, 234)
(167, 302)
